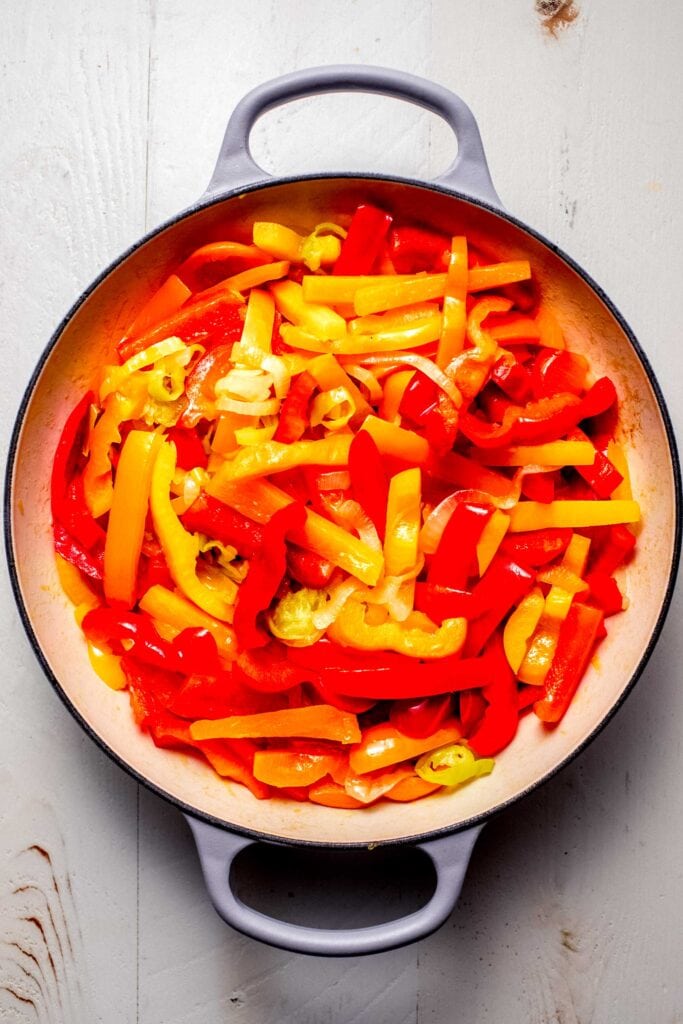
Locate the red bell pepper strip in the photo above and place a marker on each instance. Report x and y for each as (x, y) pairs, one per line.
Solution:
(526, 697)
(369, 483)
(455, 558)
(427, 408)
(421, 717)
(216, 320)
(221, 522)
(441, 602)
(503, 584)
(266, 569)
(538, 487)
(414, 249)
(66, 487)
(269, 670)
(153, 569)
(603, 476)
(604, 593)
(471, 707)
(538, 547)
(512, 378)
(614, 550)
(294, 414)
(574, 650)
(192, 651)
(200, 384)
(499, 723)
(218, 696)
(384, 675)
(308, 568)
(556, 370)
(548, 419)
(362, 245)
(90, 564)
(189, 448)
(150, 689)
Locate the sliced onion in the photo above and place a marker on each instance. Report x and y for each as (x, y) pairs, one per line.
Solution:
(248, 384)
(425, 366)
(338, 595)
(351, 516)
(335, 480)
(367, 378)
(436, 521)
(268, 408)
(371, 786)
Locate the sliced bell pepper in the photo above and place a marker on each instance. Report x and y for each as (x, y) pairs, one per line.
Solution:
(503, 584)
(266, 570)
(180, 548)
(604, 593)
(221, 522)
(383, 745)
(98, 485)
(534, 515)
(616, 548)
(218, 319)
(578, 635)
(421, 717)
(498, 726)
(172, 294)
(319, 320)
(308, 568)
(369, 483)
(491, 538)
(511, 376)
(452, 765)
(331, 794)
(537, 547)
(89, 563)
(393, 440)
(128, 515)
(453, 330)
(350, 628)
(294, 413)
(219, 259)
(328, 373)
(455, 558)
(317, 721)
(200, 384)
(402, 522)
(413, 249)
(602, 475)
(281, 768)
(276, 457)
(520, 627)
(363, 243)
(285, 244)
(412, 788)
(167, 606)
(554, 371)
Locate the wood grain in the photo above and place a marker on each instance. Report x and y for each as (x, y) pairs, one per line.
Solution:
(112, 116)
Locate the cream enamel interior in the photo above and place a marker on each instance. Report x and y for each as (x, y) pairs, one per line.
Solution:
(88, 339)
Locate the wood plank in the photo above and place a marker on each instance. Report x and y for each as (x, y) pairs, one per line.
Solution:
(74, 86)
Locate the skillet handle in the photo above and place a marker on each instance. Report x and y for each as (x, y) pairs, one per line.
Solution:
(468, 174)
(217, 850)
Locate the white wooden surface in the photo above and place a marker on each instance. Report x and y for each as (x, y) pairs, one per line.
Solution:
(111, 116)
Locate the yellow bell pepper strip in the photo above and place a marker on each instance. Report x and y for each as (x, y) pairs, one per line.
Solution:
(553, 453)
(108, 667)
(259, 500)
(402, 522)
(342, 289)
(535, 515)
(392, 393)
(575, 646)
(74, 584)
(549, 330)
(617, 456)
(538, 658)
(246, 279)
(320, 321)
(258, 321)
(383, 745)
(180, 548)
(172, 294)
(275, 457)
(520, 626)
(328, 373)
(393, 440)
(317, 721)
(126, 526)
(452, 765)
(420, 332)
(491, 538)
(350, 629)
(169, 607)
(281, 768)
(281, 242)
(392, 293)
(98, 485)
(412, 788)
(393, 320)
(452, 340)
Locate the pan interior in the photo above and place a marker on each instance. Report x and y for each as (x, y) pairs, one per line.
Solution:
(88, 339)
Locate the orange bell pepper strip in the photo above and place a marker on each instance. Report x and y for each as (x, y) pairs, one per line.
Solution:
(392, 393)
(383, 745)
(491, 538)
(393, 440)
(316, 721)
(172, 294)
(413, 788)
(229, 765)
(453, 329)
(235, 255)
(331, 794)
(126, 526)
(98, 484)
(495, 275)
(282, 768)
(536, 515)
(245, 280)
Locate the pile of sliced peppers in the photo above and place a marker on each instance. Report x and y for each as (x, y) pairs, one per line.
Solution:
(343, 510)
